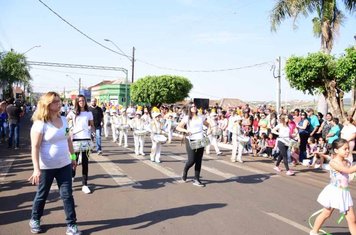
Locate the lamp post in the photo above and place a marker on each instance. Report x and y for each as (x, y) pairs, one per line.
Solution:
(31, 49)
(132, 59)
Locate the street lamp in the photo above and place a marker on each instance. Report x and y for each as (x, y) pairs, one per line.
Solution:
(132, 59)
(31, 49)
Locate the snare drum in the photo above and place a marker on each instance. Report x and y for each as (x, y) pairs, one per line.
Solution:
(243, 139)
(124, 127)
(82, 145)
(140, 132)
(216, 132)
(160, 139)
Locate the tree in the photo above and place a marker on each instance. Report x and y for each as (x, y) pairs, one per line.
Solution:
(13, 70)
(325, 25)
(160, 89)
(324, 74)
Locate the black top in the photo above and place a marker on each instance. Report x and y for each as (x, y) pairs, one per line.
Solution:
(98, 115)
(14, 113)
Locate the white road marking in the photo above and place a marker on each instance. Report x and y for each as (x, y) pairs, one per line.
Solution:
(238, 165)
(209, 169)
(159, 167)
(114, 171)
(5, 165)
(288, 221)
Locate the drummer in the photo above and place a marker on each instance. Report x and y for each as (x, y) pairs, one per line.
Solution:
(138, 126)
(237, 137)
(156, 132)
(114, 120)
(123, 127)
(213, 132)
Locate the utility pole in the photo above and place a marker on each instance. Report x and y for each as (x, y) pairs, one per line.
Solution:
(133, 65)
(353, 93)
(64, 93)
(80, 84)
(278, 103)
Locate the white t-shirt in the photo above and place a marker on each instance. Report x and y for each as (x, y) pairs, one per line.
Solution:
(347, 131)
(81, 128)
(195, 126)
(283, 134)
(54, 151)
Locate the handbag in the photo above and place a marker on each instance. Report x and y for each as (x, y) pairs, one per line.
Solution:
(199, 143)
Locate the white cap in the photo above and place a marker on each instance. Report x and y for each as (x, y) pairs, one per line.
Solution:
(155, 114)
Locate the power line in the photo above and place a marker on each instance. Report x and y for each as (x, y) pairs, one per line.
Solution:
(81, 32)
(66, 72)
(206, 71)
(147, 63)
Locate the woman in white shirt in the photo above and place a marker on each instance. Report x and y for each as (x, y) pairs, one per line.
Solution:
(50, 149)
(83, 126)
(283, 141)
(348, 133)
(192, 126)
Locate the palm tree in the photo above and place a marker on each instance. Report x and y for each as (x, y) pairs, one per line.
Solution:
(13, 70)
(327, 23)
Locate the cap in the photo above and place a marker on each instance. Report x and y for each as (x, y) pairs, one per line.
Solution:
(156, 114)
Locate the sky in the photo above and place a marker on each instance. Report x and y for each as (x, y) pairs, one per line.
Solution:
(230, 40)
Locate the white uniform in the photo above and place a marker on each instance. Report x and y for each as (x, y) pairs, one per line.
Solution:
(106, 123)
(123, 129)
(237, 143)
(156, 129)
(114, 120)
(168, 128)
(138, 124)
(212, 134)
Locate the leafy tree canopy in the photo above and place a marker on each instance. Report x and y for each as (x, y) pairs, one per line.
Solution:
(312, 74)
(160, 89)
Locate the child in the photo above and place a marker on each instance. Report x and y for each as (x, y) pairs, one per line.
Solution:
(262, 143)
(336, 194)
(295, 155)
(319, 155)
(270, 143)
(311, 149)
(254, 144)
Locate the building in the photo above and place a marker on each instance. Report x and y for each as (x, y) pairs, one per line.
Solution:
(114, 92)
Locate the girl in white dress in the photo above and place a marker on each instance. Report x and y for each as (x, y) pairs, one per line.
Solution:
(336, 195)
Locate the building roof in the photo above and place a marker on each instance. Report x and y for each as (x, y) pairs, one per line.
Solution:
(104, 82)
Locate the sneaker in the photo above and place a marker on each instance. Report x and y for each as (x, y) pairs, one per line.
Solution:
(35, 226)
(276, 168)
(313, 233)
(100, 152)
(198, 183)
(143, 154)
(290, 172)
(73, 230)
(86, 189)
(158, 161)
(219, 153)
(126, 146)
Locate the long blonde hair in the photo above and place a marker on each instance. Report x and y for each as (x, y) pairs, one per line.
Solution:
(42, 112)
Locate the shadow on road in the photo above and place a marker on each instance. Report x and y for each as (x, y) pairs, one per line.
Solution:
(150, 218)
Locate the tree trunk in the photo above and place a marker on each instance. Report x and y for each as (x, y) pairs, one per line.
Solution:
(335, 99)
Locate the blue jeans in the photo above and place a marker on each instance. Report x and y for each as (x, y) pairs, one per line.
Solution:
(98, 138)
(64, 180)
(14, 134)
(3, 129)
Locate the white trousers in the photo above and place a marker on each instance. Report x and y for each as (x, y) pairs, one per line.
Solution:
(236, 146)
(214, 143)
(123, 134)
(155, 151)
(106, 130)
(139, 141)
(114, 133)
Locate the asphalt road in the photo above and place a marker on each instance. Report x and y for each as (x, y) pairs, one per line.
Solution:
(132, 195)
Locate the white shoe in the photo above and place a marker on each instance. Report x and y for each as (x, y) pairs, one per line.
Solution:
(126, 146)
(86, 189)
(158, 161)
(143, 154)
